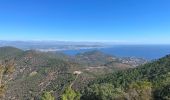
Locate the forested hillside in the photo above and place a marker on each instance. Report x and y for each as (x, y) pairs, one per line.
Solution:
(146, 82)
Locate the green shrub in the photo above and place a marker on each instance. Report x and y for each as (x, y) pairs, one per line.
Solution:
(47, 96)
(70, 94)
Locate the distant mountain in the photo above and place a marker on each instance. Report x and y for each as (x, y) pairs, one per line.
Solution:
(51, 45)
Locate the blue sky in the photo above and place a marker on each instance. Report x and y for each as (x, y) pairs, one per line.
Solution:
(122, 21)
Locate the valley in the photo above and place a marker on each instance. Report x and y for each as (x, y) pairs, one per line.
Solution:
(36, 71)
(91, 75)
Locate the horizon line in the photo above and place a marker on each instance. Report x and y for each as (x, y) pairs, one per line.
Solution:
(100, 42)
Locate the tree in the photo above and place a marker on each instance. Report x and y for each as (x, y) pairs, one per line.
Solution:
(103, 91)
(141, 90)
(47, 96)
(163, 93)
(70, 94)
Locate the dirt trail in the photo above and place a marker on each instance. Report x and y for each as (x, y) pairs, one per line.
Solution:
(74, 81)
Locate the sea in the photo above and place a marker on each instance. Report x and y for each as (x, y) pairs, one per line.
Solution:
(148, 52)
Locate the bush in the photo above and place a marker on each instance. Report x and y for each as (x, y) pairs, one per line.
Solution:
(102, 92)
(141, 90)
(70, 94)
(47, 96)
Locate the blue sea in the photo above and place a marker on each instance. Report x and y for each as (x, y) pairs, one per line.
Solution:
(149, 52)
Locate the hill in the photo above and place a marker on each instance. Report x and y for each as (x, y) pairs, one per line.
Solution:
(97, 58)
(146, 82)
(9, 52)
(93, 58)
(36, 72)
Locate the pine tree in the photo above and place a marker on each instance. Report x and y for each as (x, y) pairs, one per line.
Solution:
(47, 96)
(70, 94)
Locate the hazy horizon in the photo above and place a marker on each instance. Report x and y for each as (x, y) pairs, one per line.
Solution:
(83, 42)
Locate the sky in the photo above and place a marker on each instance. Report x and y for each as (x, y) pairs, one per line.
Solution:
(117, 21)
